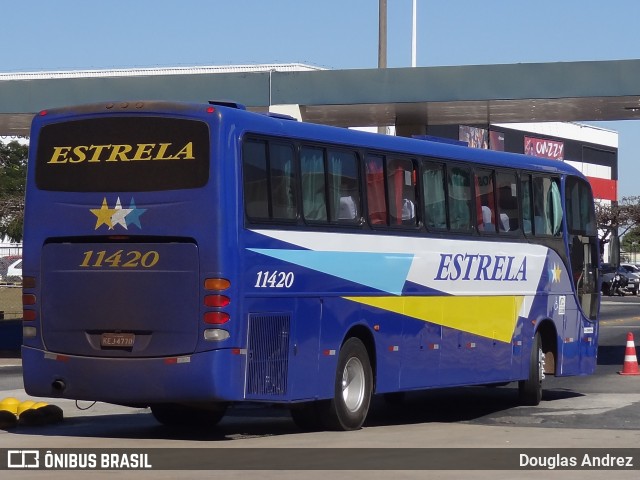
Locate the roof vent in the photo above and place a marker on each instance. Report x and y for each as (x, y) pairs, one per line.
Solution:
(281, 116)
(228, 103)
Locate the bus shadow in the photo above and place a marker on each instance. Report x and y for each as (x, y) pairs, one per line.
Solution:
(461, 404)
(235, 426)
(611, 355)
(451, 405)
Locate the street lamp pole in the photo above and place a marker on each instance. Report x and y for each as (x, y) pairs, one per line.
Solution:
(413, 35)
(382, 44)
(382, 34)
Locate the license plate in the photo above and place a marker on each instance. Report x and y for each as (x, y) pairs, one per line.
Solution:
(117, 339)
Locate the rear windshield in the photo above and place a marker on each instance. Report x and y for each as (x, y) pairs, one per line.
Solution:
(123, 154)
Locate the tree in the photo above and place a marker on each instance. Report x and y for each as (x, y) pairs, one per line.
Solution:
(617, 217)
(631, 242)
(13, 175)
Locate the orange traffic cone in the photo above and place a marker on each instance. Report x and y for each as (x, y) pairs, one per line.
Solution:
(630, 366)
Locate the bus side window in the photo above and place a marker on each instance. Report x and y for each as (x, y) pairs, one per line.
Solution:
(344, 187)
(555, 206)
(283, 199)
(433, 194)
(376, 201)
(459, 196)
(256, 186)
(485, 201)
(506, 186)
(547, 206)
(268, 172)
(314, 204)
(402, 192)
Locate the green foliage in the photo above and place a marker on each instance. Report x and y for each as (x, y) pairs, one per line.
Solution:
(622, 217)
(13, 175)
(631, 241)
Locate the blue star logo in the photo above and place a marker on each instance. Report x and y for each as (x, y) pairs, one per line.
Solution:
(133, 217)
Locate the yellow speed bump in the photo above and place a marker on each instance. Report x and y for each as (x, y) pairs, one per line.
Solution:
(10, 404)
(26, 405)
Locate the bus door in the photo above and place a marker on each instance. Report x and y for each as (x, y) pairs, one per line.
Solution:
(583, 245)
(584, 258)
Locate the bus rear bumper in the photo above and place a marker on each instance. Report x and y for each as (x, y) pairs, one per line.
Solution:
(216, 375)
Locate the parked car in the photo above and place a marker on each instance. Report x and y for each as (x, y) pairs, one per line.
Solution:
(634, 277)
(629, 283)
(14, 271)
(5, 262)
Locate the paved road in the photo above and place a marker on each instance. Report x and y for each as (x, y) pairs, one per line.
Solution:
(580, 412)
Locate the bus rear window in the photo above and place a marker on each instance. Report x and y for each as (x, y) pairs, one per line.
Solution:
(123, 154)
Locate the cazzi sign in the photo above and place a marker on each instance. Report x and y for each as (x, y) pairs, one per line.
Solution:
(540, 147)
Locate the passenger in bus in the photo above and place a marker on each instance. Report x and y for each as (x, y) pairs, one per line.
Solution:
(408, 210)
(348, 210)
(504, 222)
(487, 220)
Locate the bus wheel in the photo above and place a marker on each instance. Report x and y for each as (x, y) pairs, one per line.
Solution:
(530, 390)
(352, 389)
(178, 415)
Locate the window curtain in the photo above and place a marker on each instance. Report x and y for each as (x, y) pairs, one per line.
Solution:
(335, 182)
(434, 201)
(313, 182)
(375, 191)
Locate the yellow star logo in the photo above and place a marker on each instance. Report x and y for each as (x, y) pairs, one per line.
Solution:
(104, 214)
(556, 273)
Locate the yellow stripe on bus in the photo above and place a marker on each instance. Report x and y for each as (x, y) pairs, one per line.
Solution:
(492, 317)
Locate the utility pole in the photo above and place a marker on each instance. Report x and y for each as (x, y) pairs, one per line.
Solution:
(413, 35)
(382, 33)
(382, 43)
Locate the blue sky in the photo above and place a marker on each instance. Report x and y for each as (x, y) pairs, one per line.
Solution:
(340, 34)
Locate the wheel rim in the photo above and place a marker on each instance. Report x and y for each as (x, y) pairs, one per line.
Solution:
(353, 384)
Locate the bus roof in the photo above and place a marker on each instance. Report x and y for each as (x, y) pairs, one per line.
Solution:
(284, 126)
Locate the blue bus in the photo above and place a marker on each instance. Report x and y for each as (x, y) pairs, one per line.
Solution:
(185, 257)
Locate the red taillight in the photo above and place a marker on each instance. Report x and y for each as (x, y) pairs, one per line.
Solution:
(210, 109)
(28, 299)
(216, 301)
(216, 318)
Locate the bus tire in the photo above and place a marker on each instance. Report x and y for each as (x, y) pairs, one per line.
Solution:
(352, 389)
(177, 415)
(530, 390)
